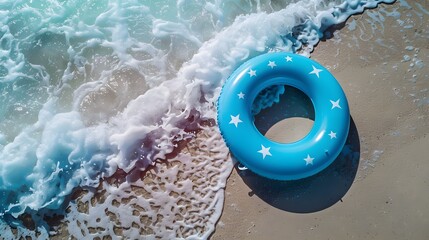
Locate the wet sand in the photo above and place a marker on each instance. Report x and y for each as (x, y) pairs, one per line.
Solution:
(377, 188)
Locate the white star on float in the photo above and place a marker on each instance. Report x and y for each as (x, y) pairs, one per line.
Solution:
(335, 104)
(265, 151)
(241, 95)
(252, 72)
(288, 59)
(272, 64)
(308, 160)
(316, 71)
(235, 120)
(333, 135)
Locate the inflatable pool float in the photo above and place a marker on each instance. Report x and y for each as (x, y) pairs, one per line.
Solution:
(283, 161)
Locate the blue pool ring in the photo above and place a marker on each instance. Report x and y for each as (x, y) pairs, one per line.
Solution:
(283, 161)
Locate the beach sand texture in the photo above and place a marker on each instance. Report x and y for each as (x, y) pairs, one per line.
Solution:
(377, 188)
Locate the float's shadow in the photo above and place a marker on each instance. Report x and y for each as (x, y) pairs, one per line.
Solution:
(314, 193)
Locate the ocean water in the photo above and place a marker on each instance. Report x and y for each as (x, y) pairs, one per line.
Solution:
(96, 91)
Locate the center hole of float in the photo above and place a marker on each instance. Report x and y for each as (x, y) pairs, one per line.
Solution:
(287, 120)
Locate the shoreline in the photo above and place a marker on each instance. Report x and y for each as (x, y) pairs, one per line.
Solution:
(389, 111)
(379, 60)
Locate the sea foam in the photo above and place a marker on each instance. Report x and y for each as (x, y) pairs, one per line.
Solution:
(92, 89)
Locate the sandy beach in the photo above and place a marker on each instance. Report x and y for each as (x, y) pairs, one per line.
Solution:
(172, 176)
(377, 187)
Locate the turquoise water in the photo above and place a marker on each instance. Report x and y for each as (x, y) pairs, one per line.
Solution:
(88, 88)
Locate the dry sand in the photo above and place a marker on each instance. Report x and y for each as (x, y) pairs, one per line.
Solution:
(378, 187)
